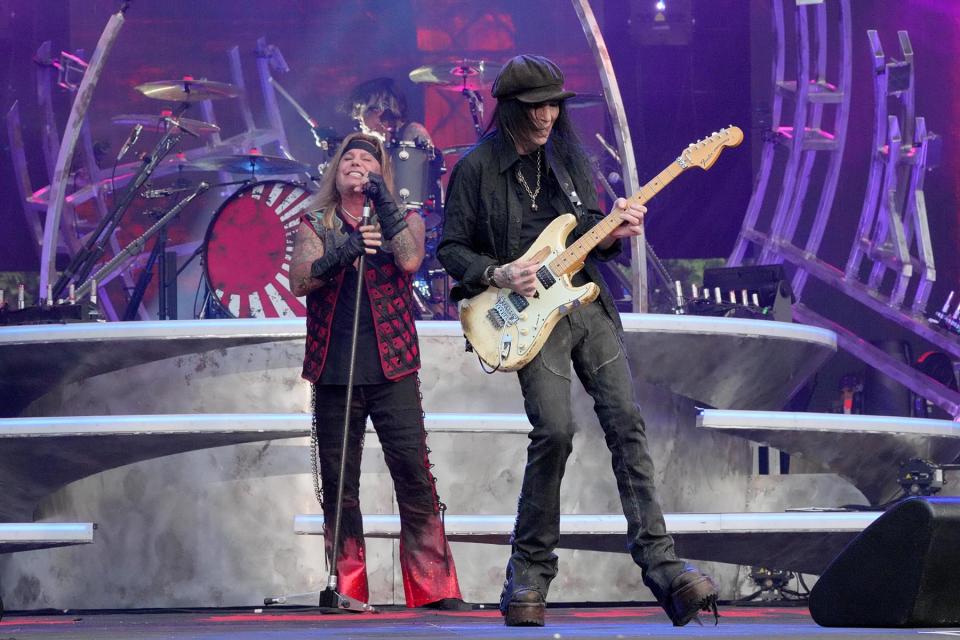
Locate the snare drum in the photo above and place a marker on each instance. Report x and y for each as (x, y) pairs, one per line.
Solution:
(416, 177)
(248, 248)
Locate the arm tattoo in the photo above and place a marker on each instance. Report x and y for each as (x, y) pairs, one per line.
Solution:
(404, 246)
(307, 247)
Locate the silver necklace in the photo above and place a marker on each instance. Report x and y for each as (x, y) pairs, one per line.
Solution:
(523, 183)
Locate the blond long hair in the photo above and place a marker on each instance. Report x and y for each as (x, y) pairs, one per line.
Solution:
(327, 198)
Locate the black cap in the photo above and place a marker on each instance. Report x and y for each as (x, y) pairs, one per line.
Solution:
(530, 79)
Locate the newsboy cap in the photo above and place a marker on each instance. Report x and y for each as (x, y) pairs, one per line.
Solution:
(530, 79)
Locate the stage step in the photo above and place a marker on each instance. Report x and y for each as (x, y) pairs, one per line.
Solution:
(803, 541)
(45, 454)
(26, 536)
(866, 450)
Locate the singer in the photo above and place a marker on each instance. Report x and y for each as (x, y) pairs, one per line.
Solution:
(386, 384)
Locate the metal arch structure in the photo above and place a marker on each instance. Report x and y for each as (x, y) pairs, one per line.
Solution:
(78, 112)
(611, 93)
(890, 254)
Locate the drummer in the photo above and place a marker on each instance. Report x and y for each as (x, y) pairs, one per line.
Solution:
(380, 109)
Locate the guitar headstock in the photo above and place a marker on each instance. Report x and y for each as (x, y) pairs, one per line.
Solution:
(703, 153)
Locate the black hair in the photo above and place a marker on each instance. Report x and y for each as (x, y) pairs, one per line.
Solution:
(512, 118)
(380, 91)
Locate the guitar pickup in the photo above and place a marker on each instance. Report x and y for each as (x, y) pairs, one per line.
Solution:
(545, 277)
(518, 301)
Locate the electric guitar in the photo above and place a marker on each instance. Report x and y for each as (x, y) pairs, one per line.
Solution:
(507, 329)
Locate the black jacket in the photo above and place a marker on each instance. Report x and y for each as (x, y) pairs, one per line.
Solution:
(483, 217)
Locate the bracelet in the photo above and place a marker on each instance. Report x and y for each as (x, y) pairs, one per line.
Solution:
(488, 275)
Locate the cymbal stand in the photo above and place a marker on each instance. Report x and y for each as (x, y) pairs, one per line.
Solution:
(475, 100)
(85, 259)
(137, 245)
(159, 251)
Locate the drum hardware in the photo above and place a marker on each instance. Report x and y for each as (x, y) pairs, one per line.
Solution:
(159, 124)
(166, 286)
(467, 77)
(137, 245)
(188, 90)
(456, 149)
(86, 258)
(323, 137)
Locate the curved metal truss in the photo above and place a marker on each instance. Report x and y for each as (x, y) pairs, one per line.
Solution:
(890, 256)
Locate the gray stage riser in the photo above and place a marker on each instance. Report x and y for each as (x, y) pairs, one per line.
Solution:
(214, 527)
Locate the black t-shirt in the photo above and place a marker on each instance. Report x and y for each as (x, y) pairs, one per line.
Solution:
(550, 202)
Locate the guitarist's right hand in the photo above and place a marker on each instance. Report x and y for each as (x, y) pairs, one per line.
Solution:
(519, 275)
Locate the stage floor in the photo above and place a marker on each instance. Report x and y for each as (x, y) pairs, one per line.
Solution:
(582, 623)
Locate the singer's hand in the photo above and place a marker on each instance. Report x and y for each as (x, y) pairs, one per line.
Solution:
(372, 239)
(388, 213)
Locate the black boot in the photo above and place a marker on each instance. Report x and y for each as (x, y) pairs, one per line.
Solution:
(690, 593)
(525, 609)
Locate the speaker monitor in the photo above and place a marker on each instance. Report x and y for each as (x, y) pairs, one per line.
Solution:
(902, 571)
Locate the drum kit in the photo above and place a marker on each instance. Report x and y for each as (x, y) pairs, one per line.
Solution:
(248, 243)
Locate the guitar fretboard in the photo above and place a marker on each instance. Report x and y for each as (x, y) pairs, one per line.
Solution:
(574, 256)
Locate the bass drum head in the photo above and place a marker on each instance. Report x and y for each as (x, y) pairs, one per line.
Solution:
(248, 248)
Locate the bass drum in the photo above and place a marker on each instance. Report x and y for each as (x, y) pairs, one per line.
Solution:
(248, 248)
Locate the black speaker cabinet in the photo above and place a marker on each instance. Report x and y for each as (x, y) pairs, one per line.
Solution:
(901, 571)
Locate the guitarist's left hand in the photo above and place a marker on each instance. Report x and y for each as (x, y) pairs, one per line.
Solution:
(632, 225)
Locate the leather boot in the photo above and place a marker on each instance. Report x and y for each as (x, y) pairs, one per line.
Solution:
(690, 593)
(525, 609)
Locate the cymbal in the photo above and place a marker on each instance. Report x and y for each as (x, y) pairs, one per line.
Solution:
(585, 100)
(254, 163)
(160, 123)
(458, 75)
(188, 90)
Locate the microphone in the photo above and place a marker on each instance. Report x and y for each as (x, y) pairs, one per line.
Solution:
(613, 177)
(130, 141)
(371, 190)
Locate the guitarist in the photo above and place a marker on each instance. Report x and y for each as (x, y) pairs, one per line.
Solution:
(527, 169)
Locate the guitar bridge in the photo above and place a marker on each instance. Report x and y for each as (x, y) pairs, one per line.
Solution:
(493, 315)
(503, 314)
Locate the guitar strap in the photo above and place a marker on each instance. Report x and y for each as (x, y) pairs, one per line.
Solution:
(568, 188)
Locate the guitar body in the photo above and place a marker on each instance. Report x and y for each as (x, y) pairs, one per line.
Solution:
(506, 329)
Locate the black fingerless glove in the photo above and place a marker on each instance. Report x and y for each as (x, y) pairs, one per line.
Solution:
(337, 258)
(391, 217)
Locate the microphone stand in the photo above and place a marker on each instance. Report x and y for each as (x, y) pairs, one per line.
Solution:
(330, 598)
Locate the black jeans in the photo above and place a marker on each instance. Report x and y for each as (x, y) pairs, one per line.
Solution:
(586, 337)
(394, 408)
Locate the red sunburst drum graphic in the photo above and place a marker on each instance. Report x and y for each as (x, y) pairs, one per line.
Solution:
(248, 248)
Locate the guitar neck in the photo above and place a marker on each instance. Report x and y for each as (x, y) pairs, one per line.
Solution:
(575, 255)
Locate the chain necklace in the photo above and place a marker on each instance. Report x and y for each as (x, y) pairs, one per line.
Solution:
(350, 215)
(523, 183)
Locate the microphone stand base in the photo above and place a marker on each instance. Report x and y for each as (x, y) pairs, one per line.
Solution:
(339, 603)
